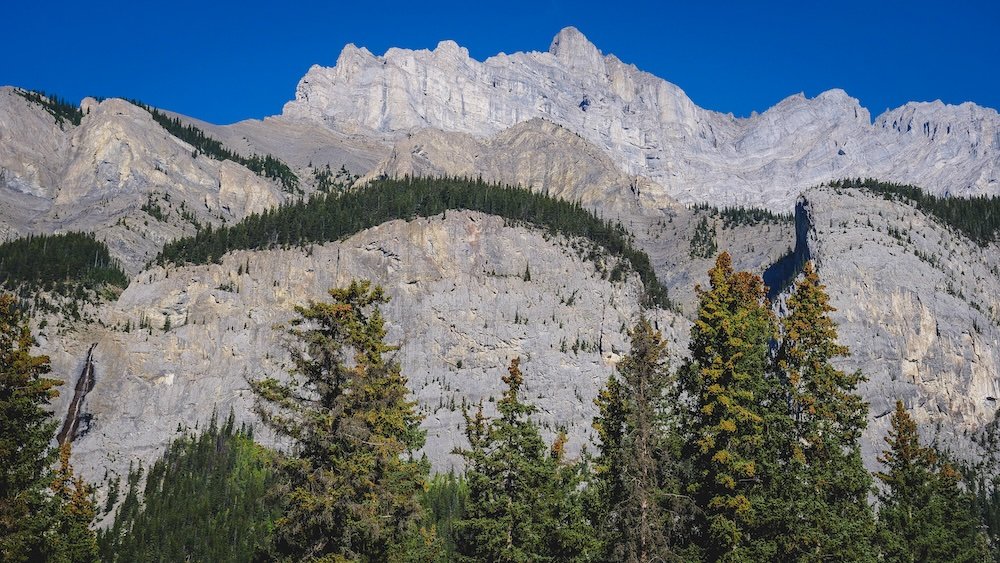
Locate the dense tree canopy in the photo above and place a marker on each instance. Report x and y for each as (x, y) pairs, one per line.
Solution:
(331, 217)
(206, 499)
(58, 262)
(352, 484)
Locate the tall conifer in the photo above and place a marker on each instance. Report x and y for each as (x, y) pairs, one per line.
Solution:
(524, 502)
(353, 484)
(924, 515)
(638, 505)
(728, 381)
(824, 486)
(27, 511)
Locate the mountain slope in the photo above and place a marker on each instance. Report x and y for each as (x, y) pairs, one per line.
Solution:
(100, 175)
(650, 127)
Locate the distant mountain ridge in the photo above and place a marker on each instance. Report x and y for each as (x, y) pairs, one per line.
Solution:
(650, 127)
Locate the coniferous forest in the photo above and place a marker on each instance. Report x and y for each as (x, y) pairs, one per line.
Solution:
(331, 217)
(58, 263)
(746, 451)
(976, 217)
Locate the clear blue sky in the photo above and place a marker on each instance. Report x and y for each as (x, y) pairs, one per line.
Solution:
(226, 61)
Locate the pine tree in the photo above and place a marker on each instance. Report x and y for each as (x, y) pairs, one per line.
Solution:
(353, 483)
(638, 505)
(73, 539)
(825, 486)
(728, 382)
(26, 509)
(524, 503)
(924, 515)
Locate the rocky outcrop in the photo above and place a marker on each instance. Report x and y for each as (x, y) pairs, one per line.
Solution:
(551, 159)
(97, 177)
(461, 309)
(919, 306)
(650, 128)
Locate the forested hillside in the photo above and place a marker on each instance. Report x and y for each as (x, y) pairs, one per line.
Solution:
(58, 263)
(331, 217)
(975, 217)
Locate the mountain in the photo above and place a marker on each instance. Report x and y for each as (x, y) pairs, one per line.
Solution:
(917, 299)
(649, 127)
(97, 177)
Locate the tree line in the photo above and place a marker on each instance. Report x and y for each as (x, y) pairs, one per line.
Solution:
(266, 165)
(976, 217)
(746, 451)
(331, 217)
(58, 263)
(57, 107)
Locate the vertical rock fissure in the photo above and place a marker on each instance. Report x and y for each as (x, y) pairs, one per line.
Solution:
(84, 384)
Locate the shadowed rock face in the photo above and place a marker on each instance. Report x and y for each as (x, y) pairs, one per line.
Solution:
(649, 127)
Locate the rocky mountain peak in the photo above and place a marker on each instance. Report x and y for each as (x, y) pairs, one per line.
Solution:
(574, 50)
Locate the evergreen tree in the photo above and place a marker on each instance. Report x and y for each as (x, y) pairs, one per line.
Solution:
(731, 422)
(205, 499)
(27, 511)
(638, 505)
(353, 483)
(74, 541)
(924, 514)
(524, 502)
(825, 485)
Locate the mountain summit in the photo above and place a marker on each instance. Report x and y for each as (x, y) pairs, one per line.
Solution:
(650, 127)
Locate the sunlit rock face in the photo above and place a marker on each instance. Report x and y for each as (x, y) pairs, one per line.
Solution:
(649, 127)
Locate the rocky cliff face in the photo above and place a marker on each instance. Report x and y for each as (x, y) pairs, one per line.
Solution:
(461, 309)
(97, 177)
(919, 306)
(649, 127)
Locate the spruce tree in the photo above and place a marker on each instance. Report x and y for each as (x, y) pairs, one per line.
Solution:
(729, 384)
(27, 511)
(73, 540)
(353, 484)
(824, 486)
(524, 502)
(638, 506)
(924, 515)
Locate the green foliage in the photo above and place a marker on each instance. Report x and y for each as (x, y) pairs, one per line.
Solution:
(331, 217)
(72, 539)
(57, 107)
(976, 217)
(444, 502)
(352, 485)
(266, 166)
(823, 489)
(525, 502)
(59, 263)
(729, 383)
(27, 511)
(205, 499)
(703, 240)
(983, 478)
(924, 513)
(637, 501)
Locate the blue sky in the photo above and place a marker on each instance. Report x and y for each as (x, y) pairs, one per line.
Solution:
(226, 61)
